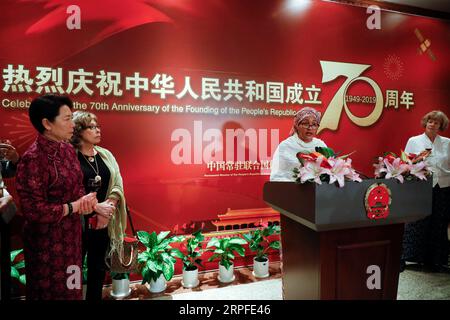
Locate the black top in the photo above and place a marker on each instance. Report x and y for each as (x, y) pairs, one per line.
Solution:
(8, 169)
(89, 176)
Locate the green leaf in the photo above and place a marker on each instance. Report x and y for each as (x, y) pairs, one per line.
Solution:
(23, 279)
(144, 238)
(213, 257)
(145, 275)
(230, 255)
(327, 152)
(213, 242)
(15, 273)
(199, 262)
(267, 232)
(165, 257)
(192, 246)
(254, 246)
(153, 240)
(346, 155)
(15, 253)
(20, 265)
(161, 236)
(248, 236)
(164, 244)
(219, 251)
(155, 276)
(198, 235)
(142, 259)
(177, 239)
(224, 243)
(226, 264)
(152, 265)
(168, 270)
(237, 241)
(240, 250)
(177, 253)
(275, 245)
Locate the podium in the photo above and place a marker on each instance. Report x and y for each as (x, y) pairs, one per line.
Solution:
(333, 247)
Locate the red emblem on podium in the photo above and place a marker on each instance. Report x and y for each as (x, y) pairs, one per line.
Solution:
(377, 201)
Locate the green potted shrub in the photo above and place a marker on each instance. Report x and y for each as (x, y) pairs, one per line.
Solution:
(223, 249)
(157, 262)
(84, 272)
(17, 263)
(120, 285)
(258, 241)
(191, 259)
(16, 267)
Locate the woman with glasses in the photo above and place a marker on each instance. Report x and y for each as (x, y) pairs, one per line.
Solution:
(103, 228)
(426, 241)
(302, 139)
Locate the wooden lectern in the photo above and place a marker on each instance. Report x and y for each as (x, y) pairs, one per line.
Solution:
(331, 246)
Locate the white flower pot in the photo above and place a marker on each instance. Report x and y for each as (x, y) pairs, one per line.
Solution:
(120, 288)
(159, 285)
(260, 269)
(190, 278)
(226, 275)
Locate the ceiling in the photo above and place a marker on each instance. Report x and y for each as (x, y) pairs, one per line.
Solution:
(436, 5)
(430, 8)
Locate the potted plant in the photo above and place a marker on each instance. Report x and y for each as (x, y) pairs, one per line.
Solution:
(259, 242)
(157, 262)
(191, 259)
(15, 273)
(120, 285)
(84, 272)
(223, 250)
(17, 263)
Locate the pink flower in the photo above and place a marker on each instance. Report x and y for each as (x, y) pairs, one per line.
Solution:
(419, 170)
(352, 174)
(379, 167)
(312, 170)
(395, 169)
(339, 169)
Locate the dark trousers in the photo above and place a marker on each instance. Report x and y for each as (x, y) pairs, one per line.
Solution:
(95, 245)
(426, 240)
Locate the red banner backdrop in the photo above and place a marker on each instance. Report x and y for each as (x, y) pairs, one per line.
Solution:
(194, 96)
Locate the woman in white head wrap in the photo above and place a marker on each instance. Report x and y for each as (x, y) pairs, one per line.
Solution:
(302, 139)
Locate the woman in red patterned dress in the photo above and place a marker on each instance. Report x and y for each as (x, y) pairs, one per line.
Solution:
(52, 196)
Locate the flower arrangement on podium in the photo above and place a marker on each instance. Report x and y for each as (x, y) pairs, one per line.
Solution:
(408, 166)
(324, 165)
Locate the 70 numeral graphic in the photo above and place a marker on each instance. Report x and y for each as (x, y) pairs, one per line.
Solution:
(352, 72)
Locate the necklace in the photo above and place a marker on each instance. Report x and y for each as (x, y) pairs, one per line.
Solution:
(97, 177)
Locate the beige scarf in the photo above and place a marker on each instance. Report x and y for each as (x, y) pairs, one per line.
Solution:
(118, 223)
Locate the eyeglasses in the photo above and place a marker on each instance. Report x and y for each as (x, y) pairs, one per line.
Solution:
(306, 125)
(94, 127)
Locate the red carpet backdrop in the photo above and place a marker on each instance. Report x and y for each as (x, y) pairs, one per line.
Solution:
(194, 96)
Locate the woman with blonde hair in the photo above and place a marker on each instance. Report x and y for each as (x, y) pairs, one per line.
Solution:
(426, 241)
(104, 228)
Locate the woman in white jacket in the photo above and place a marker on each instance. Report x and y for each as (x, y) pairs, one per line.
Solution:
(426, 241)
(302, 139)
